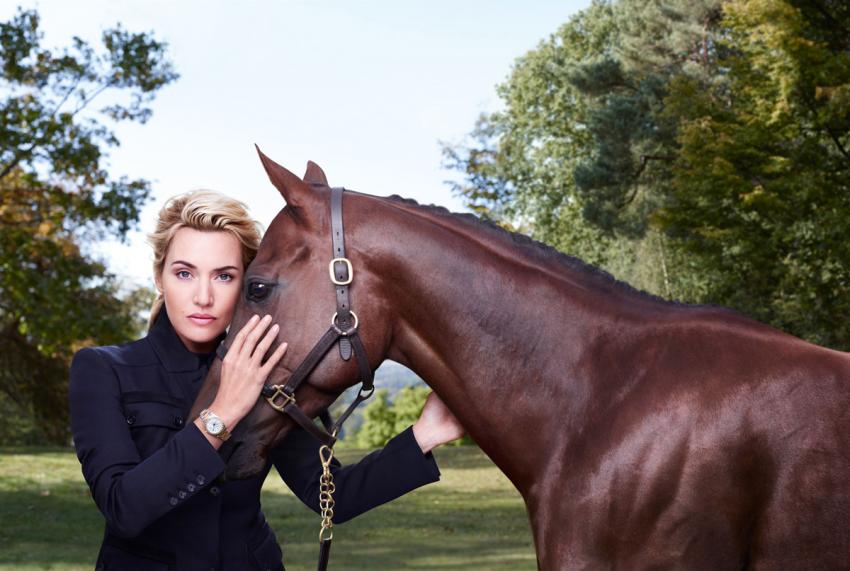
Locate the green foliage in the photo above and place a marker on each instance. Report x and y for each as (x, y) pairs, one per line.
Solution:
(407, 406)
(760, 193)
(520, 161)
(378, 422)
(56, 195)
(698, 148)
(382, 420)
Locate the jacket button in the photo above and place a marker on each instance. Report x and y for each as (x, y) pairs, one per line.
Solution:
(181, 494)
(131, 419)
(172, 500)
(190, 487)
(215, 490)
(200, 479)
(178, 421)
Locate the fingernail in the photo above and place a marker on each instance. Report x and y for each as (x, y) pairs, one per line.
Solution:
(255, 317)
(275, 326)
(267, 317)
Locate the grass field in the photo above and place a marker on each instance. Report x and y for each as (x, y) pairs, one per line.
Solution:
(472, 519)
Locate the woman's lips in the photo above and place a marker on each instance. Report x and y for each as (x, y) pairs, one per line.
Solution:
(201, 320)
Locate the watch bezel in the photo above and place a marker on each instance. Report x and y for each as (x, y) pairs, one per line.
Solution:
(214, 425)
(210, 420)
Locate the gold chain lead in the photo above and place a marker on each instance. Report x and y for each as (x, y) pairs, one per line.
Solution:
(326, 490)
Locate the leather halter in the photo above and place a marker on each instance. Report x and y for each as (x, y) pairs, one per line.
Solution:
(344, 328)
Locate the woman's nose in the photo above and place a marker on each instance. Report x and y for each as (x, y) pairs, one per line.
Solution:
(203, 294)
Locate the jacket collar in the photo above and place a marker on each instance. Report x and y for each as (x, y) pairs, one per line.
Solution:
(167, 345)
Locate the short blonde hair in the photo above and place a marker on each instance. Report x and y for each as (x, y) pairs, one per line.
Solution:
(204, 210)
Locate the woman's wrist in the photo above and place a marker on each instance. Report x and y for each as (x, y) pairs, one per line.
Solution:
(214, 442)
(423, 439)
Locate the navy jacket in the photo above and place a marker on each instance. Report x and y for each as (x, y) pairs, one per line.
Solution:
(153, 474)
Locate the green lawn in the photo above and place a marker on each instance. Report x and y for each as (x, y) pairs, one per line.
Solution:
(472, 519)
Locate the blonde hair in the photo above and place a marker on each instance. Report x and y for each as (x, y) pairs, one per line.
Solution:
(204, 210)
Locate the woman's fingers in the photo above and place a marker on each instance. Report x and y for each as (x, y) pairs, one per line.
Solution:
(239, 339)
(254, 336)
(265, 343)
(273, 360)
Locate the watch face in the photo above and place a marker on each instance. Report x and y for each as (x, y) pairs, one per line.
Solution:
(214, 425)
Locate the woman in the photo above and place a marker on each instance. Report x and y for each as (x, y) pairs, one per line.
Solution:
(151, 473)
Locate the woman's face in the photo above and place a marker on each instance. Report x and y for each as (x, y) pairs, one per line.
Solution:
(200, 282)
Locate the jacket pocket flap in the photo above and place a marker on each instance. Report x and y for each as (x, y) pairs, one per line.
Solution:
(154, 414)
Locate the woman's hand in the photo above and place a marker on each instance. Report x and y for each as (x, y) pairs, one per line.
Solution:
(436, 425)
(242, 370)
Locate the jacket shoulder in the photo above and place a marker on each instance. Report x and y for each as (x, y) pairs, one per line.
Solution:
(138, 353)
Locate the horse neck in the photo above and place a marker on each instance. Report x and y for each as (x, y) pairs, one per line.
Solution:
(495, 334)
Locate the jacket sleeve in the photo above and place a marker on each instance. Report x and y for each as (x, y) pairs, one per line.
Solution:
(381, 476)
(130, 492)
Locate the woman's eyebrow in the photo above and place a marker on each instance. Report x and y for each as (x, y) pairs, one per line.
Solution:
(175, 262)
(188, 265)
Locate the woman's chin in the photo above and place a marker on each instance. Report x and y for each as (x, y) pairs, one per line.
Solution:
(201, 339)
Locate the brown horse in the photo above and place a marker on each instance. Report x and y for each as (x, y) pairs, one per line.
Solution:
(641, 433)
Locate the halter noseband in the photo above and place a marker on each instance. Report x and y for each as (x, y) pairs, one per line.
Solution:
(343, 328)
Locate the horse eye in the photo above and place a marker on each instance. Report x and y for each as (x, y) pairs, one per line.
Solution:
(258, 291)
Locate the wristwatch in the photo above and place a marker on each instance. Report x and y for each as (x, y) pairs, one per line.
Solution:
(214, 425)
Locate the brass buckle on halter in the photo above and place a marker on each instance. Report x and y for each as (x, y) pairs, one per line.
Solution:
(350, 268)
(348, 331)
(279, 392)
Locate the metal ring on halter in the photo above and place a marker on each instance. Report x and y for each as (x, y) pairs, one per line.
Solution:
(348, 331)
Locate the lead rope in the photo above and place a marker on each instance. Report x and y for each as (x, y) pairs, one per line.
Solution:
(326, 505)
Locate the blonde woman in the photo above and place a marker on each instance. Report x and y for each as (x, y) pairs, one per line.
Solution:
(151, 470)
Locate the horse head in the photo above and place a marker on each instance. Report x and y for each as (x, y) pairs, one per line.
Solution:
(289, 279)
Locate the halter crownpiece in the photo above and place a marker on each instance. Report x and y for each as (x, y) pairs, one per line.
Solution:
(343, 329)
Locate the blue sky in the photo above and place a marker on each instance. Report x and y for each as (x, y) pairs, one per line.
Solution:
(367, 89)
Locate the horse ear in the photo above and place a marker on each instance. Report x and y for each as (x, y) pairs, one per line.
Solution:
(315, 174)
(296, 194)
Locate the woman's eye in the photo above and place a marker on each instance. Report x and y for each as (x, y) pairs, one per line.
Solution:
(258, 291)
(184, 274)
(225, 277)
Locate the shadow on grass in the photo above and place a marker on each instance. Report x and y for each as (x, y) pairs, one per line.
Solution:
(429, 529)
(47, 531)
(426, 530)
(468, 524)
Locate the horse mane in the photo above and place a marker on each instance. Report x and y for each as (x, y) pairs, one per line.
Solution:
(547, 254)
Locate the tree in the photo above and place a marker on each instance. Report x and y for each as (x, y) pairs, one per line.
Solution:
(518, 167)
(378, 422)
(407, 406)
(705, 140)
(560, 161)
(55, 196)
(760, 193)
